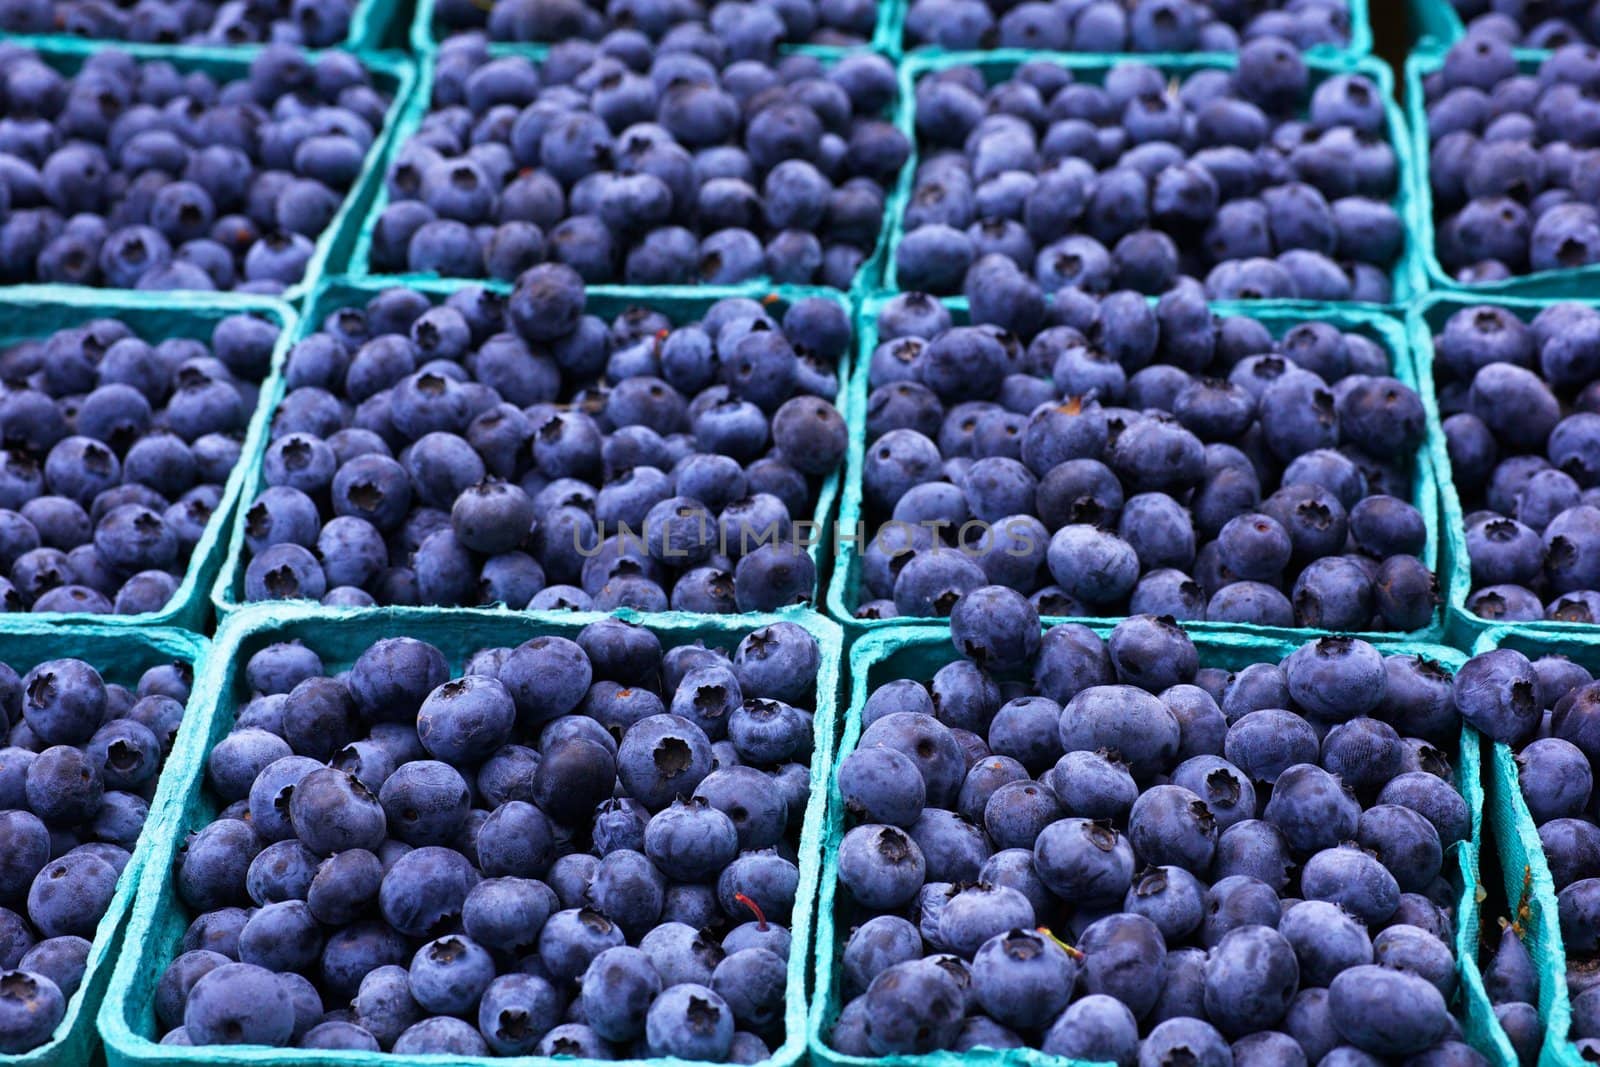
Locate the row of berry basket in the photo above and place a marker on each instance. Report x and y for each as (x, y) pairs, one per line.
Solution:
(123, 988)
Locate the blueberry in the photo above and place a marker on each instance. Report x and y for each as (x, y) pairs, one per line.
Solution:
(1226, 792)
(995, 627)
(680, 954)
(876, 945)
(1334, 677)
(345, 886)
(1365, 754)
(913, 1007)
(1386, 1012)
(753, 982)
(1497, 694)
(1409, 948)
(930, 745)
(1084, 860)
(983, 781)
(1187, 1037)
(881, 866)
(1520, 1021)
(933, 583)
(463, 721)
(690, 1021)
(1255, 547)
(1311, 809)
(1124, 720)
(63, 786)
(1170, 897)
(1022, 979)
(1122, 953)
(62, 960)
(1170, 825)
(1326, 941)
(1097, 1027)
(973, 916)
(1237, 901)
(450, 974)
(34, 1006)
(1152, 653)
(214, 1012)
(1556, 779)
(64, 701)
(881, 785)
(440, 1035)
(1353, 879)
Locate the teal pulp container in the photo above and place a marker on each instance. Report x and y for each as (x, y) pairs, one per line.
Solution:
(846, 592)
(1436, 23)
(369, 25)
(1528, 884)
(868, 276)
(1359, 43)
(1406, 274)
(918, 653)
(155, 930)
(1426, 317)
(682, 304)
(392, 75)
(28, 312)
(120, 656)
(1575, 284)
(425, 36)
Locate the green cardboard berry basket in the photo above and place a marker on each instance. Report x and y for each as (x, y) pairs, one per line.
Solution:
(1435, 23)
(1359, 44)
(1522, 859)
(28, 312)
(681, 304)
(159, 917)
(1406, 274)
(426, 37)
(845, 592)
(1427, 316)
(918, 652)
(868, 275)
(121, 657)
(370, 24)
(376, 25)
(393, 75)
(1574, 284)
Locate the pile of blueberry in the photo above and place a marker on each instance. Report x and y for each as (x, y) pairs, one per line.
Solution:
(1101, 26)
(1133, 457)
(517, 451)
(1545, 710)
(722, 30)
(134, 175)
(1249, 178)
(1521, 402)
(1544, 24)
(645, 166)
(1510, 160)
(77, 772)
(577, 848)
(1132, 858)
(311, 23)
(115, 452)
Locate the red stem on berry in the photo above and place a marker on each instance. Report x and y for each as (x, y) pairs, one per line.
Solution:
(761, 919)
